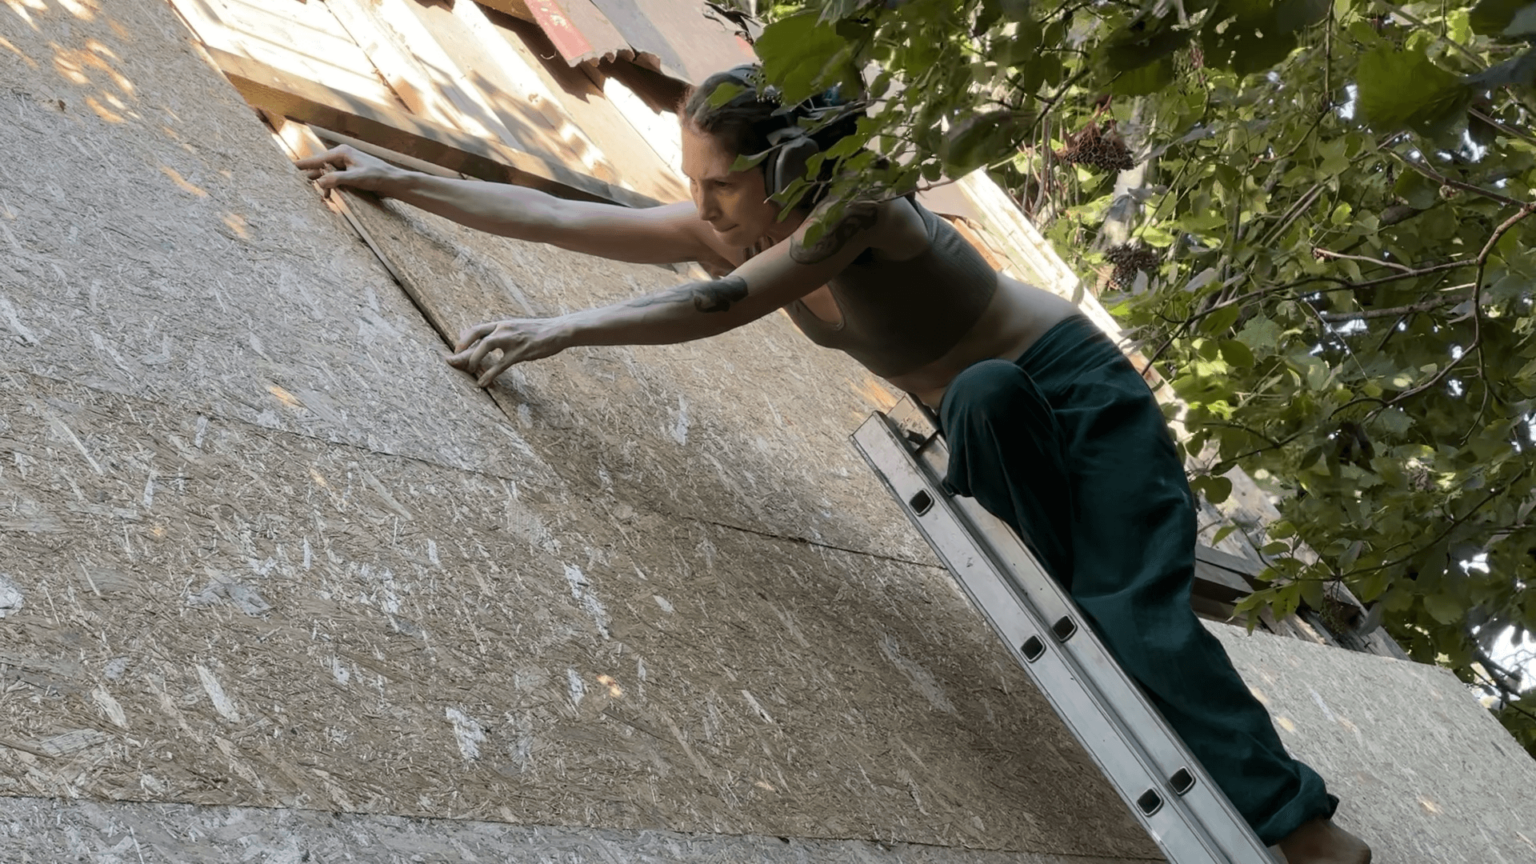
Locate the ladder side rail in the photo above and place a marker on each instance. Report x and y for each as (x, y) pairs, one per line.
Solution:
(1112, 747)
(1149, 766)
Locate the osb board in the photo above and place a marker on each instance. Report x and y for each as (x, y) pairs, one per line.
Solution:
(212, 612)
(42, 831)
(154, 241)
(1423, 770)
(749, 428)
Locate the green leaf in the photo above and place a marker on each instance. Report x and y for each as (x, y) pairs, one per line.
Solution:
(1517, 71)
(1236, 353)
(747, 161)
(1434, 101)
(1217, 489)
(798, 54)
(1312, 593)
(1134, 49)
(1443, 608)
(1229, 177)
(1334, 159)
(1144, 80)
(1347, 560)
(1220, 321)
(1397, 600)
(1416, 190)
(1260, 334)
(971, 140)
(1292, 15)
(1223, 533)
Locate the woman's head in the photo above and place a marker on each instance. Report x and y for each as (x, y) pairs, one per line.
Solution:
(734, 203)
(745, 125)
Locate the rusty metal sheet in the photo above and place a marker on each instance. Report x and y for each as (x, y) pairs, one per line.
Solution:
(579, 32)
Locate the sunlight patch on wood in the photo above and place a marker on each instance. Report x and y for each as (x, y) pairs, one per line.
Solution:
(6, 44)
(103, 111)
(85, 10)
(236, 223)
(179, 181)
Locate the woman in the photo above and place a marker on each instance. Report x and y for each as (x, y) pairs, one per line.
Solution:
(1039, 407)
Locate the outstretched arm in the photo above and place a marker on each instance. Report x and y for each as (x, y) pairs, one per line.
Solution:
(653, 235)
(695, 310)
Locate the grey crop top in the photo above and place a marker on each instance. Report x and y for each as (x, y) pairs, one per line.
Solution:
(901, 315)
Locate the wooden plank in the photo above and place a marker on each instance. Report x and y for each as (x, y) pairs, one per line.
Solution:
(529, 66)
(410, 163)
(519, 72)
(203, 20)
(1218, 583)
(509, 89)
(1212, 610)
(287, 96)
(299, 39)
(394, 64)
(689, 43)
(469, 109)
(1248, 570)
(659, 128)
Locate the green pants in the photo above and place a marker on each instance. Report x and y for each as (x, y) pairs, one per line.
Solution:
(1068, 446)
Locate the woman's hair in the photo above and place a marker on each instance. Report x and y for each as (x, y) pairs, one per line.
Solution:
(743, 123)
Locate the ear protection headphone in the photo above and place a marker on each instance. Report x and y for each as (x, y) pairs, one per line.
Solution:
(792, 147)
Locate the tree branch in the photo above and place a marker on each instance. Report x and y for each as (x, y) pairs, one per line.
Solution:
(1455, 523)
(1423, 168)
(1329, 253)
(1424, 306)
(1501, 126)
(1477, 311)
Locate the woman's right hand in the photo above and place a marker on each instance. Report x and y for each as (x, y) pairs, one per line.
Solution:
(347, 166)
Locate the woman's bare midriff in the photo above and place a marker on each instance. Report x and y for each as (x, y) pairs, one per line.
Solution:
(1017, 317)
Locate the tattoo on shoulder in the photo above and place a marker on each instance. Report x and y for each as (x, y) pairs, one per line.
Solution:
(716, 295)
(859, 216)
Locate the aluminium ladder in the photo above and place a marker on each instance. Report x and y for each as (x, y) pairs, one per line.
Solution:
(1188, 817)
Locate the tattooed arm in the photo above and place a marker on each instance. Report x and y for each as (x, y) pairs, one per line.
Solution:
(695, 310)
(858, 218)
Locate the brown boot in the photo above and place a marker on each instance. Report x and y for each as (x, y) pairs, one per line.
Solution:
(1322, 842)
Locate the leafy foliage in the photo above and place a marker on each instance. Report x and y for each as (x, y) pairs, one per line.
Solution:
(1333, 200)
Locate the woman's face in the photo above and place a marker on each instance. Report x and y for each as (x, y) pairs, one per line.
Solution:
(734, 203)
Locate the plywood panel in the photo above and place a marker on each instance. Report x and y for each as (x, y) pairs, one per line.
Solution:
(1424, 772)
(160, 245)
(213, 612)
(749, 429)
(46, 829)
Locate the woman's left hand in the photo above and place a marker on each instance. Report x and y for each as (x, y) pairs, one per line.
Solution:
(519, 340)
